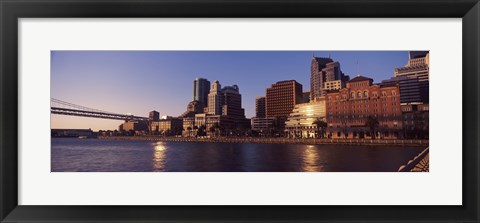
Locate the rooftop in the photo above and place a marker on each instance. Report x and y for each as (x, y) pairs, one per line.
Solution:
(360, 78)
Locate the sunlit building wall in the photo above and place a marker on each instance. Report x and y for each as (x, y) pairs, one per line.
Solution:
(349, 109)
(281, 98)
(300, 123)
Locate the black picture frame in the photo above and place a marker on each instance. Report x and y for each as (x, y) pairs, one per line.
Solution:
(11, 11)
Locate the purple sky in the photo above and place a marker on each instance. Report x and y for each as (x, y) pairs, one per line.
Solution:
(140, 81)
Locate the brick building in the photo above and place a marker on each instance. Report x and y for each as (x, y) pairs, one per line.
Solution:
(349, 109)
(281, 98)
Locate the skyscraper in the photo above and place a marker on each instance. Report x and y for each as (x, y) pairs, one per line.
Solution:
(413, 78)
(260, 107)
(324, 70)
(201, 88)
(232, 102)
(317, 77)
(282, 97)
(215, 99)
(226, 101)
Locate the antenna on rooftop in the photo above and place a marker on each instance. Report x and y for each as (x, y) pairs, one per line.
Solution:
(357, 68)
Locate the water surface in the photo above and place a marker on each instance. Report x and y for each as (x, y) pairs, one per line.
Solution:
(98, 155)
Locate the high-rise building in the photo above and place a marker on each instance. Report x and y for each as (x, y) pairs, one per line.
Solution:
(317, 76)
(410, 88)
(214, 99)
(350, 109)
(226, 101)
(281, 98)
(154, 116)
(417, 66)
(201, 89)
(260, 107)
(324, 70)
(306, 96)
(232, 102)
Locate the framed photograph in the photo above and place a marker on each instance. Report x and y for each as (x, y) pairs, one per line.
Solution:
(225, 111)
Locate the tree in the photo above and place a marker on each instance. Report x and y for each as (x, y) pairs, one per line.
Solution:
(372, 123)
(212, 129)
(274, 128)
(321, 126)
(201, 130)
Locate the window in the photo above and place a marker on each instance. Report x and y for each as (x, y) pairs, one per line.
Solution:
(365, 94)
(394, 93)
(352, 95)
(384, 94)
(359, 94)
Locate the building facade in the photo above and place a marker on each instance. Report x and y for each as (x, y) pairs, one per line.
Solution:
(301, 122)
(281, 97)
(168, 127)
(215, 99)
(260, 107)
(416, 121)
(262, 124)
(317, 76)
(333, 85)
(324, 70)
(153, 116)
(201, 89)
(418, 66)
(410, 88)
(364, 110)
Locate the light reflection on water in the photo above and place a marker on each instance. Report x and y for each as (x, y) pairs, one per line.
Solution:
(95, 155)
(310, 159)
(159, 155)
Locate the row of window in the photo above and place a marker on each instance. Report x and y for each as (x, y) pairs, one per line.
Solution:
(359, 95)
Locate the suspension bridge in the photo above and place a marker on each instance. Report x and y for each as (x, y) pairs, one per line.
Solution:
(60, 107)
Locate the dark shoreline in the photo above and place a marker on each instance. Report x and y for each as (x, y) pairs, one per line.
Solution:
(382, 142)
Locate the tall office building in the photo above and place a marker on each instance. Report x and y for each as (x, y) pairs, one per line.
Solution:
(324, 70)
(226, 101)
(410, 88)
(282, 97)
(201, 89)
(417, 67)
(260, 107)
(214, 99)
(232, 102)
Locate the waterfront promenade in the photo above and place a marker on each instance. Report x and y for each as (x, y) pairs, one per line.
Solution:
(384, 142)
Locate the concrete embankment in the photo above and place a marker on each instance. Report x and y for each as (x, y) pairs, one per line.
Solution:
(385, 142)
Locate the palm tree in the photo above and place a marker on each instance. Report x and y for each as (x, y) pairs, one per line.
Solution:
(321, 126)
(372, 123)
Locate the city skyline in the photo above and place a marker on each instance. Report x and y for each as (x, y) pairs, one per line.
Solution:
(138, 82)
